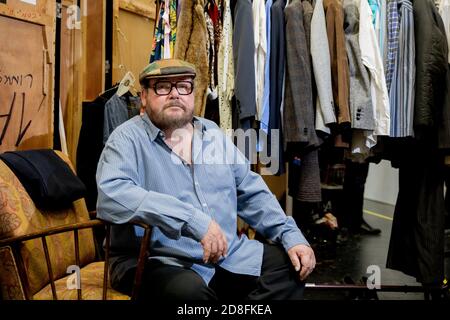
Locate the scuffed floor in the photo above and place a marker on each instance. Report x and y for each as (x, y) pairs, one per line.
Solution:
(349, 259)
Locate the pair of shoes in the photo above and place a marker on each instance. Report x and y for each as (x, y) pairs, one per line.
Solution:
(366, 228)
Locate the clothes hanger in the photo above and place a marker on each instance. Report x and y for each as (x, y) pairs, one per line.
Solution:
(127, 85)
(110, 89)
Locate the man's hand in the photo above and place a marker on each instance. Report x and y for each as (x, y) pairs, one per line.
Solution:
(303, 259)
(214, 243)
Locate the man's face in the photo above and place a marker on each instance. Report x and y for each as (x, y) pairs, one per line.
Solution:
(173, 110)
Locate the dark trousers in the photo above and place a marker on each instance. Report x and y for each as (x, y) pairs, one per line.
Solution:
(278, 281)
(353, 194)
(417, 240)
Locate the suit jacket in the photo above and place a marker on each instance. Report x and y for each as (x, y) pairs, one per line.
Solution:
(361, 108)
(244, 61)
(298, 102)
(325, 113)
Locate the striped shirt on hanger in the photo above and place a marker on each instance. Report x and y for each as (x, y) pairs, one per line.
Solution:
(402, 90)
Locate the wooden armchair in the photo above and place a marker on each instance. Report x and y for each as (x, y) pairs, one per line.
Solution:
(37, 249)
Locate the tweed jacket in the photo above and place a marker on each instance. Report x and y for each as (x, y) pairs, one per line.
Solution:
(298, 101)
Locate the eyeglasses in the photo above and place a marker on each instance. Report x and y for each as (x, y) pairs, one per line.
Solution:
(163, 88)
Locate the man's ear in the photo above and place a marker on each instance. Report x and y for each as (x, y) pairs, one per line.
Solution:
(144, 94)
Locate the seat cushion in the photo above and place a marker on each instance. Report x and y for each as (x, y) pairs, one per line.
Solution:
(91, 286)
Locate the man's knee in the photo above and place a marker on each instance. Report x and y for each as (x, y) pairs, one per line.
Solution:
(278, 280)
(186, 285)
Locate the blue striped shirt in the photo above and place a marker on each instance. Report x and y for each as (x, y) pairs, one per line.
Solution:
(140, 179)
(402, 91)
(264, 122)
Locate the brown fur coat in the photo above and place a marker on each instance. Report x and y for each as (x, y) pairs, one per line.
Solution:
(191, 44)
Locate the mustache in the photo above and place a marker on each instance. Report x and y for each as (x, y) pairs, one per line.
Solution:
(174, 104)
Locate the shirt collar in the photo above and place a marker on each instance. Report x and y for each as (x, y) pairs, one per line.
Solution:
(154, 131)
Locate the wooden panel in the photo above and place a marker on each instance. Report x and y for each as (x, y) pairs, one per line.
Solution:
(42, 12)
(133, 34)
(94, 40)
(26, 85)
(141, 7)
(71, 75)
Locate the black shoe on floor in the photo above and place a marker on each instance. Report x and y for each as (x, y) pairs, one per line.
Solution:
(366, 228)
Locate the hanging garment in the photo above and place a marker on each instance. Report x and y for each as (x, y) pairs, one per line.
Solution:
(244, 61)
(382, 37)
(308, 11)
(371, 57)
(304, 177)
(402, 91)
(375, 7)
(431, 69)
(355, 177)
(212, 101)
(361, 109)
(117, 111)
(298, 101)
(264, 121)
(277, 67)
(417, 240)
(165, 31)
(416, 246)
(216, 16)
(211, 52)
(226, 70)
(259, 26)
(90, 145)
(191, 47)
(444, 10)
(325, 113)
(393, 23)
(172, 37)
(158, 37)
(444, 121)
(334, 14)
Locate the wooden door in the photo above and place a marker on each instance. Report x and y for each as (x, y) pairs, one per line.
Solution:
(26, 74)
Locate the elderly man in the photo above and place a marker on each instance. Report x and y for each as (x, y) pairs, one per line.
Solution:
(153, 169)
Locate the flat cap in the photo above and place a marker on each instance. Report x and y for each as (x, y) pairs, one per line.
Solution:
(167, 68)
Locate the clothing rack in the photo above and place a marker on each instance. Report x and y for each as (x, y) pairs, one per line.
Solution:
(443, 289)
(427, 290)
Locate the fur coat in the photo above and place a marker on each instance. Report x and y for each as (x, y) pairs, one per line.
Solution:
(191, 45)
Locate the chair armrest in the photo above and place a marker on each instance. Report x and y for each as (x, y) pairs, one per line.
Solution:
(143, 255)
(51, 231)
(143, 252)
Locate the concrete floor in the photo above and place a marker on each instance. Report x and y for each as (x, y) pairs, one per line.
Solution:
(351, 258)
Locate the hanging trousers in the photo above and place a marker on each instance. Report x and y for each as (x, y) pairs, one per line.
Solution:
(278, 281)
(417, 241)
(353, 194)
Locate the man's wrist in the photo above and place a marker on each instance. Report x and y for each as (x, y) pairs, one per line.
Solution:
(197, 225)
